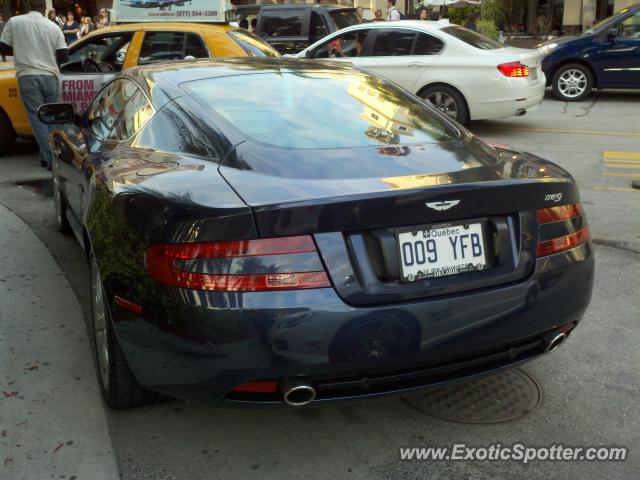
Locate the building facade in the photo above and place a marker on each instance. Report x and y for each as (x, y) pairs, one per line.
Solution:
(558, 17)
(526, 17)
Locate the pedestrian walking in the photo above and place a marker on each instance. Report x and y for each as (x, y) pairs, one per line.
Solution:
(392, 12)
(71, 28)
(424, 14)
(377, 16)
(51, 15)
(37, 46)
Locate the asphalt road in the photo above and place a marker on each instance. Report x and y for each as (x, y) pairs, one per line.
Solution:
(590, 386)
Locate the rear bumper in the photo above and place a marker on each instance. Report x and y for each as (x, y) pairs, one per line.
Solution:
(202, 344)
(507, 101)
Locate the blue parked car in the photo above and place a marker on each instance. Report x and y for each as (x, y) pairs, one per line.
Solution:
(605, 56)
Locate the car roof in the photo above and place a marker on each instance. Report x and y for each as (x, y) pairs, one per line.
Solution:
(173, 26)
(168, 76)
(417, 24)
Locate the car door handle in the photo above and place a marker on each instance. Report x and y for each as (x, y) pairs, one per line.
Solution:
(416, 64)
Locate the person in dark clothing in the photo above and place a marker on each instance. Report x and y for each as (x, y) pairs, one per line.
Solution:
(471, 23)
(70, 29)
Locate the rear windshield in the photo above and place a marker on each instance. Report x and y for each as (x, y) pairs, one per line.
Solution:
(345, 18)
(252, 45)
(318, 109)
(472, 38)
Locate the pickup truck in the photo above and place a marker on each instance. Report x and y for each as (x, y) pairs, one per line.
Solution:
(290, 28)
(96, 58)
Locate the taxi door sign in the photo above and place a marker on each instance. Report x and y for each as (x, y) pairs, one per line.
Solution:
(169, 10)
(79, 90)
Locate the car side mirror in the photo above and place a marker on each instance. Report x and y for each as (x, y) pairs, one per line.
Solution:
(612, 34)
(57, 113)
(308, 54)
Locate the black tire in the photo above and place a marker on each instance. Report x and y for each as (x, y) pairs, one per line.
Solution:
(572, 82)
(7, 134)
(119, 387)
(60, 206)
(440, 97)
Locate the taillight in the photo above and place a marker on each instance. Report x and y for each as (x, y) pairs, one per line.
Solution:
(514, 69)
(257, 387)
(561, 228)
(288, 263)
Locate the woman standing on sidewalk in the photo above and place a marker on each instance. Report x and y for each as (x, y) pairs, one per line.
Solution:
(86, 26)
(70, 29)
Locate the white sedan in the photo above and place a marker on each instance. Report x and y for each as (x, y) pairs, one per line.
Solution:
(466, 75)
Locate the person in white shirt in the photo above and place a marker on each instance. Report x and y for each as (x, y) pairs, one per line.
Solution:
(37, 45)
(392, 12)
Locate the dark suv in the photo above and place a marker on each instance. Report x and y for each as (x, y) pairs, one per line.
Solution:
(605, 56)
(290, 28)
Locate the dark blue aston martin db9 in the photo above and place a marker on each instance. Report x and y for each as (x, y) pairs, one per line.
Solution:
(605, 56)
(281, 231)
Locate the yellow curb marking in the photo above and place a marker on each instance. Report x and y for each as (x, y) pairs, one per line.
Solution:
(623, 166)
(614, 154)
(576, 132)
(615, 189)
(621, 174)
(621, 161)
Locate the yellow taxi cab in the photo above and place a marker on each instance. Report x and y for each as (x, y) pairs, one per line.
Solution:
(96, 58)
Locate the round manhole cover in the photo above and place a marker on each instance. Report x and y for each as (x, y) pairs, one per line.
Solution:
(497, 398)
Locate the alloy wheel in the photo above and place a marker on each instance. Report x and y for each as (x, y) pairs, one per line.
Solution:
(100, 320)
(445, 103)
(572, 83)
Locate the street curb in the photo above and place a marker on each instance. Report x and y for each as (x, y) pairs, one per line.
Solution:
(52, 421)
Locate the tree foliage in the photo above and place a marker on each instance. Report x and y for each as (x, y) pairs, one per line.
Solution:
(494, 10)
(487, 28)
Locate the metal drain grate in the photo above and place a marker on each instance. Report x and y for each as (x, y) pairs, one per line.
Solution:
(498, 398)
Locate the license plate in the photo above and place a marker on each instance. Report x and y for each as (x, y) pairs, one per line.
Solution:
(428, 252)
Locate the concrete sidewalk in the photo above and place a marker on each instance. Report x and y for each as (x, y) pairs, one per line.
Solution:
(52, 422)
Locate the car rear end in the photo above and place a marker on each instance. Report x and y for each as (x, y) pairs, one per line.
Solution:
(351, 311)
(518, 85)
(369, 271)
(510, 81)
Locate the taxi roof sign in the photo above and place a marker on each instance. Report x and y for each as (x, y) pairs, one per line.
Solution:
(134, 11)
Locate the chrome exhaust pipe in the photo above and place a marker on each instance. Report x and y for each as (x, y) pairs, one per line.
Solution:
(297, 392)
(553, 340)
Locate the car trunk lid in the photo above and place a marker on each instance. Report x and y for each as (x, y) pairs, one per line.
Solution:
(357, 202)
